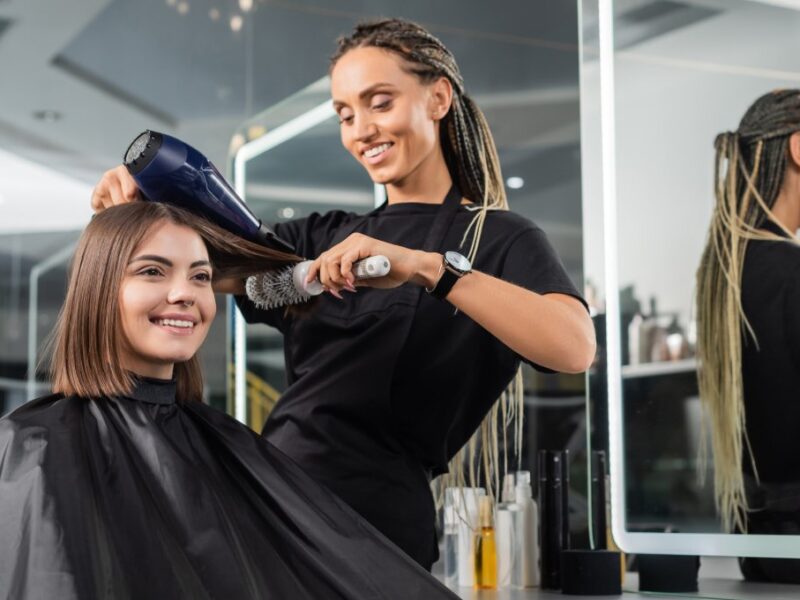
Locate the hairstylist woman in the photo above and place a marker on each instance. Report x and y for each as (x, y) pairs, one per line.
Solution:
(386, 385)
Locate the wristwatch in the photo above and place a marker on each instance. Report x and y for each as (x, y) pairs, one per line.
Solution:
(454, 267)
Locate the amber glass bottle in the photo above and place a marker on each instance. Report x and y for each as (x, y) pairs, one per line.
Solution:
(485, 548)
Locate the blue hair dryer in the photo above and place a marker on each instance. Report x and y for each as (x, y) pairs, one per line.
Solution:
(171, 171)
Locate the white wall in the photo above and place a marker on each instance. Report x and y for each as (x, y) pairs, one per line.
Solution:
(34, 198)
(674, 94)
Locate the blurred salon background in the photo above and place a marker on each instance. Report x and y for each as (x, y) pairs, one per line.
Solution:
(79, 80)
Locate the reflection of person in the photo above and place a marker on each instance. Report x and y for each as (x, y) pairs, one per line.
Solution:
(123, 484)
(388, 384)
(748, 294)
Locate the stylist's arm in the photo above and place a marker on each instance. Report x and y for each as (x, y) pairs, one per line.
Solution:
(551, 330)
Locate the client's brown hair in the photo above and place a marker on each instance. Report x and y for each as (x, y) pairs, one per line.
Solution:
(87, 339)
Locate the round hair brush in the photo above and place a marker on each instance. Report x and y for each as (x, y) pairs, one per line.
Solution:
(286, 286)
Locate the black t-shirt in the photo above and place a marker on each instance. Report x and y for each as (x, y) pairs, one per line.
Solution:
(387, 385)
(771, 369)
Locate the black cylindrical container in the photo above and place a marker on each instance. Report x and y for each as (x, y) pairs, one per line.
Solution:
(551, 517)
(598, 521)
(565, 539)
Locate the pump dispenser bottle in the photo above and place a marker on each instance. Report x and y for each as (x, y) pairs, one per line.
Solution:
(506, 533)
(485, 548)
(525, 566)
(467, 517)
(450, 538)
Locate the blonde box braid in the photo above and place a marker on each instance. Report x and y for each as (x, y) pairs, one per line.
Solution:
(473, 163)
(749, 170)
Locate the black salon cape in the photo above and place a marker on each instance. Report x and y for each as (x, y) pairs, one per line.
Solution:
(387, 385)
(145, 498)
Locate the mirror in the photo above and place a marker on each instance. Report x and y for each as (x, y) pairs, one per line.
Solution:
(659, 81)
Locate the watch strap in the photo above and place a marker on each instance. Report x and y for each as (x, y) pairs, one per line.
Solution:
(445, 283)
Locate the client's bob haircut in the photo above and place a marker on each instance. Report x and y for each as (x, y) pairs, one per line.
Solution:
(87, 339)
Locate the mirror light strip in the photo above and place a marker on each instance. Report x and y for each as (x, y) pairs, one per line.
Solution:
(613, 354)
(247, 152)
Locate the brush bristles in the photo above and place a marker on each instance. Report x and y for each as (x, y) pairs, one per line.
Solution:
(273, 289)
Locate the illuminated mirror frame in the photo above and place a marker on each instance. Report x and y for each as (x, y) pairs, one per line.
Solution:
(705, 544)
(247, 152)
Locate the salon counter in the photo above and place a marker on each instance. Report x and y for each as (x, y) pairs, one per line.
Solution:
(718, 589)
(719, 579)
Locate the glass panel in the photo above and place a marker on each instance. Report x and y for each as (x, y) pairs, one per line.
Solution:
(38, 230)
(306, 173)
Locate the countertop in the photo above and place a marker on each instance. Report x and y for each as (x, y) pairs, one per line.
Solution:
(719, 579)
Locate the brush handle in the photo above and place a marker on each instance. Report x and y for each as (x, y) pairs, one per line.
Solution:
(367, 268)
(372, 267)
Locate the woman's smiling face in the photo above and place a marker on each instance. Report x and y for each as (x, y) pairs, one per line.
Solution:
(166, 300)
(389, 118)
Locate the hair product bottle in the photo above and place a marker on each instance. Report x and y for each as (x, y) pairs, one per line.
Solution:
(525, 566)
(466, 513)
(506, 533)
(485, 548)
(450, 538)
(554, 516)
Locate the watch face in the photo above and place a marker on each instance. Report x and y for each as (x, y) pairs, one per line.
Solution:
(457, 261)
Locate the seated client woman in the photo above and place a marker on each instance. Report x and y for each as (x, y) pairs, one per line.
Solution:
(123, 484)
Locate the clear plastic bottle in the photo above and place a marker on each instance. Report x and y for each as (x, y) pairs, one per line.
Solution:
(466, 504)
(505, 532)
(525, 565)
(450, 539)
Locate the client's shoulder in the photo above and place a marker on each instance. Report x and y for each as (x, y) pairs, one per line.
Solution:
(44, 412)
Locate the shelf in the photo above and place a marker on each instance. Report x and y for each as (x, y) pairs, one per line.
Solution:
(655, 369)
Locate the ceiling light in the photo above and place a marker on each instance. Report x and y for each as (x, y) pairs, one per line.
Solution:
(237, 141)
(515, 182)
(48, 116)
(183, 7)
(255, 132)
(286, 213)
(213, 14)
(245, 5)
(236, 23)
(172, 2)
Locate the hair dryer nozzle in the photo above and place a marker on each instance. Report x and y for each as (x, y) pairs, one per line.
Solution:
(171, 171)
(141, 151)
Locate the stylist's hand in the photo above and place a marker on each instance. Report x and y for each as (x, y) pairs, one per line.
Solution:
(334, 268)
(116, 186)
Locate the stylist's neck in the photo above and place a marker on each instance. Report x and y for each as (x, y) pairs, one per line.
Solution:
(429, 182)
(787, 205)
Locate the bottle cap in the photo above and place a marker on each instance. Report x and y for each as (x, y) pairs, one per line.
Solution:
(485, 510)
(523, 477)
(508, 487)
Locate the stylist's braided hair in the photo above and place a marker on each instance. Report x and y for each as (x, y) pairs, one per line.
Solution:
(474, 166)
(749, 172)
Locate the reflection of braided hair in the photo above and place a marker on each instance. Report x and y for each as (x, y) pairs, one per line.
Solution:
(474, 166)
(749, 174)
